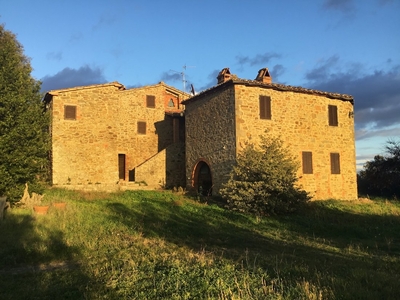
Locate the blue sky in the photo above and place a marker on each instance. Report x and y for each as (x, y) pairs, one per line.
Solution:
(344, 46)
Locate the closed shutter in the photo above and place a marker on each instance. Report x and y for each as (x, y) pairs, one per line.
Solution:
(265, 107)
(70, 112)
(333, 117)
(307, 163)
(141, 128)
(150, 101)
(335, 163)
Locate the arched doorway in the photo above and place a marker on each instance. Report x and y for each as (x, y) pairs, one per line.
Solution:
(202, 179)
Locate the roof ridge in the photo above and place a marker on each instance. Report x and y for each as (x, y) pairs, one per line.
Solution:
(113, 83)
(281, 87)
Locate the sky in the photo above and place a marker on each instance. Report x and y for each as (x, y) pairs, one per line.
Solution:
(342, 46)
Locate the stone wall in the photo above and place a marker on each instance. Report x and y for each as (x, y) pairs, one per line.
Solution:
(222, 120)
(85, 151)
(301, 121)
(166, 169)
(210, 136)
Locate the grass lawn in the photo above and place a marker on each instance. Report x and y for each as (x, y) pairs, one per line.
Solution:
(161, 245)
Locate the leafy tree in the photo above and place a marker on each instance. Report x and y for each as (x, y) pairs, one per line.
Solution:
(264, 180)
(24, 141)
(381, 176)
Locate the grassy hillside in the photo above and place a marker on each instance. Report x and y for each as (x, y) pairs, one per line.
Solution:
(160, 245)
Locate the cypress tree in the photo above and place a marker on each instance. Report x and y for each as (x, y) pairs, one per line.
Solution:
(24, 123)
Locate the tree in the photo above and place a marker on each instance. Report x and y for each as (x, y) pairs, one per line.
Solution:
(381, 176)
(24, 123)
(264, 180)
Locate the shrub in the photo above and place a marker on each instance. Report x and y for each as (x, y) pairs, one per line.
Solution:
(264, 180)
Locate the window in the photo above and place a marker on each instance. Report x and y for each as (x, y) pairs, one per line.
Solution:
(335, 163)
(141, 127)
(69, 112)
(171, 103)
(307, 163)
(332, 114)
(265, 107)
(151, 101)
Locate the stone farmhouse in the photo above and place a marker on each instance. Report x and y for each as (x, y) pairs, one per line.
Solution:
(108, 137)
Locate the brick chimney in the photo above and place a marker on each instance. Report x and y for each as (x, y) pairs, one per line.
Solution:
(263, 76)
(224, 75)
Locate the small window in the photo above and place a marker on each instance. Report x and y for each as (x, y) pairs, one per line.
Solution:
(69, 112)
(141, 127)
(171, 103)
(335, 163)
(150, 101)
(307, 163)
(332, 114)
(265, 107)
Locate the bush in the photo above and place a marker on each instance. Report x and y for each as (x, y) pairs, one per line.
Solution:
(263, 182)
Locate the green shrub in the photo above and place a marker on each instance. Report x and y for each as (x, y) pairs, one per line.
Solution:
(264, 180)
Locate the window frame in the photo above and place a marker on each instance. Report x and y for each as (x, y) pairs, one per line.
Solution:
(68, 114)
(307, 162)
(265, 107)
(335, 163)
(333, 115)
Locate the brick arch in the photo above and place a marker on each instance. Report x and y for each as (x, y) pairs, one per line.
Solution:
(202, 177)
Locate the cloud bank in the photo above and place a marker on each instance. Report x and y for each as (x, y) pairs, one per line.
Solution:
(68, 77)
(376, 94)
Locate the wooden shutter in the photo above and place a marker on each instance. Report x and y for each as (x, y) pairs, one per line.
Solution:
(332, 114)
(335, 163)
(265, 107)
(307, 163)
(70, 112)
(150, 101)
(121, 166)
(141, 127)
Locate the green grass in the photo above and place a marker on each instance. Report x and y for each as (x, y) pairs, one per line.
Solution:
(161, 245)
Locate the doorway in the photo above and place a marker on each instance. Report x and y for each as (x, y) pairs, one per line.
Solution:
(121, 166)
(203, 179)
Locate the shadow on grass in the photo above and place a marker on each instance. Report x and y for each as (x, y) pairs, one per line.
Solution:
(35, 261)
(332, 249)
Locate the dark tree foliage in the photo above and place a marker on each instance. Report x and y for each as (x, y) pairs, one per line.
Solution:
(381, 176)
(24, 141)
(263, 182)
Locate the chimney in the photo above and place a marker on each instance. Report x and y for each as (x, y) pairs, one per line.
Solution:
(224, 75)
(263, 76)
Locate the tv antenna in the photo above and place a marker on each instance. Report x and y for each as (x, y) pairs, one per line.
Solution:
(183, 75)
